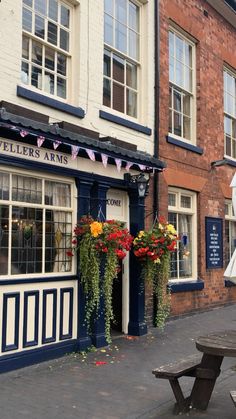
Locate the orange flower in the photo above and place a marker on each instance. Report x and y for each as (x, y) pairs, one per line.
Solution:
(96, 228)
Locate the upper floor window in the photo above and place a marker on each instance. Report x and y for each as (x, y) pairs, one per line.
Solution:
(230, 113)
(36, 217)
(46, 45)
(182, 214)
(121, 56)
(230, 231)
(181, 88)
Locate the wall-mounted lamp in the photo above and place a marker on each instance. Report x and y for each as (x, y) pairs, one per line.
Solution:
(140, 180)
(218, 163)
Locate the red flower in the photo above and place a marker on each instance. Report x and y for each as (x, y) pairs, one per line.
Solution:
(120, 253)
(69, 253)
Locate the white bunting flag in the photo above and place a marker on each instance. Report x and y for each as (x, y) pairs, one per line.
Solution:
(104, 159)
(40, 140)
(90, 154)
(141, 166)
(56, 144)
(74, 151)
(128, 165)
(23, 133)
(118, 164)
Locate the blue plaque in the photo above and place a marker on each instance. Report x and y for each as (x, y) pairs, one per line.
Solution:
(214, 243)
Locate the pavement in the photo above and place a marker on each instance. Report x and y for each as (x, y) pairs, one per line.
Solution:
(116, 382)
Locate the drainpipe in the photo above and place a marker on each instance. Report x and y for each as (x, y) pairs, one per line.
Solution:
(156, 102)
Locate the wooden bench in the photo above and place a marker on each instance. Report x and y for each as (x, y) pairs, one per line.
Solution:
(173, 371)
(233, 396)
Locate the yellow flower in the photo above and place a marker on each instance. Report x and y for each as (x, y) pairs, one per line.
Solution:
(171, 229)
(96, 228)
(140, 234)
(157, 260)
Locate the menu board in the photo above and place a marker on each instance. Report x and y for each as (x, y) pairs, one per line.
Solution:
(214, 243)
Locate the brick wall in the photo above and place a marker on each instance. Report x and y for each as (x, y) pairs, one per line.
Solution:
(215, 42)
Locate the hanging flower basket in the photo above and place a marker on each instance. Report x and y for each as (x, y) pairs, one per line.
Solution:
(153, 249)
(100, 246)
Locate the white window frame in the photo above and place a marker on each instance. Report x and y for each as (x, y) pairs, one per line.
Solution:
(230, 116)
(178, 209)
(127, 58)
(70, 5)
(173, 86)
(72, 209)
(231, 218)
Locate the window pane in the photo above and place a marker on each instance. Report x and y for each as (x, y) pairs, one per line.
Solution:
(120, 37)
(118, 69)
(65, 17)
(49, 58)
(177, 124)
(230, 104)
(108, 30)
(26, 240)
(186, 104)
(227, 125)
(177, 100)
(133, 17)
(172, 199)
(28, 2)
(49, 83)
(121, 11)
(108, 6)
(64, 40)
(133, 45)
(4, 186)
(57, 194)
(179, 73)
(26, 189)
(27, 20)
(170, 121)
(131, 75)
(36, 77)
(39, 27)
(171, 44)
(185, 201)
(188, 79)
(25, 73)
(107, 64)
(37, 53)
(131, 103)
(188, 55)
(52, 33)
(228, 145)
(118, 97)
(4, 239)
(53, 10)
(25, 47)
(61, 64)
(179, 49)
(61, 87)
(171, 70)
(40, 6)
(107, 92)
(186, 128)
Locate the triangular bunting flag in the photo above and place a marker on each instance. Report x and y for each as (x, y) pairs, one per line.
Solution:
(90, 154)
(40, 140)
(74, 151)
(141, 166)
(104, 159)
(23, 133)
(118, 164)
(128, 165)
(56, 144)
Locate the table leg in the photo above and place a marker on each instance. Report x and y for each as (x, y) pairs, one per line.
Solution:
(204, 383)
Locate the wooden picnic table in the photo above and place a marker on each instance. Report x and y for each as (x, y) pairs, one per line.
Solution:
(215, 346)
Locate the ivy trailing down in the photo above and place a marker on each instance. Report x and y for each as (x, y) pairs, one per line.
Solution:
(100, 247)
(153, 249)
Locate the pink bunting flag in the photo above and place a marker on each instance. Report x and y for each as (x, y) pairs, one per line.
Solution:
(91, 154)
(40, 140)
(74, 151)
(56, 144)
(118, 164)
(142, 167)
(23, 133)
(128, 165)
(104, 159)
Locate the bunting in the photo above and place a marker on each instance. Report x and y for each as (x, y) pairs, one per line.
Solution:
(91, 154)
(56, 144)
(118, 164)
(74, 151)
(104, 159)
(23, 133)
(40, 141)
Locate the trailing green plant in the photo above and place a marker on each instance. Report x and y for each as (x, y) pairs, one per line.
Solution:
(153, 249)
(100, 247)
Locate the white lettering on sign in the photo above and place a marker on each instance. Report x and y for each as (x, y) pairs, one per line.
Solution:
(113, 202)
(26, 151)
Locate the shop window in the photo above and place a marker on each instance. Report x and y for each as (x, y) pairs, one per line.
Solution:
(46, 46)
(35, 225)
(121, 56)
(181, 87)
(230, 232)
(230, 113)
(182, 214)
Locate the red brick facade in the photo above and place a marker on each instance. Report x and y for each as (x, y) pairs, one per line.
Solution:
(215, 41)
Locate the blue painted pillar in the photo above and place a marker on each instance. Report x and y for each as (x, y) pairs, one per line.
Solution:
(137, 325)
(98, 206)
(84, 193)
